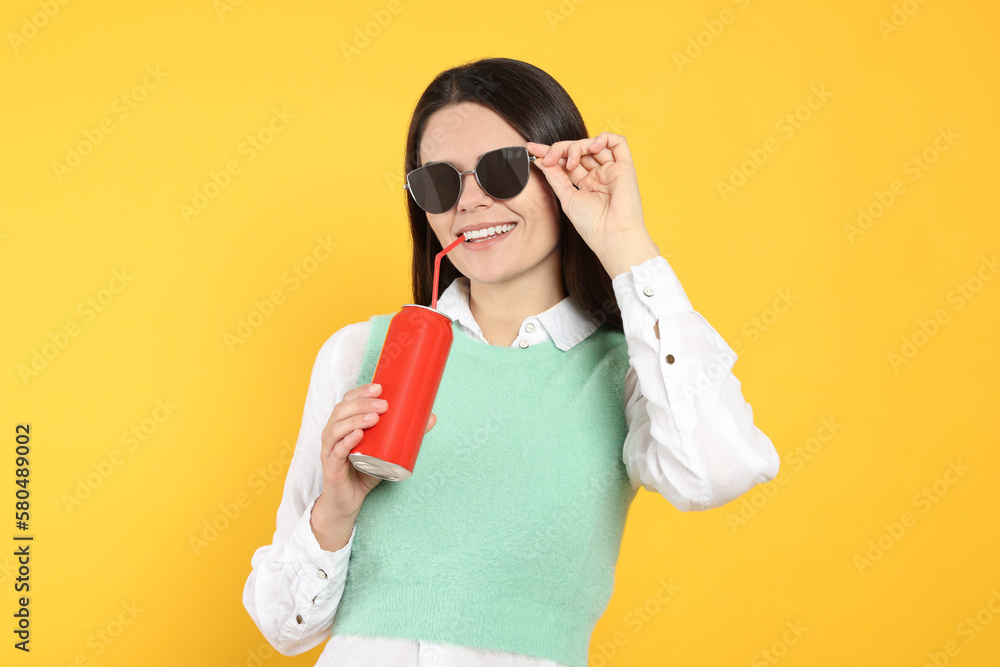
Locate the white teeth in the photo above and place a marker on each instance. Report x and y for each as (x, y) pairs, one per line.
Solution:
(489, 231)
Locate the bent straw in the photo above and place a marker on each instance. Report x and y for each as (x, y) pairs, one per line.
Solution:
(437, 268)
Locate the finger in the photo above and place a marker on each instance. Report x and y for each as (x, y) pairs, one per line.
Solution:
(558, 180)
(349, 433)
(598, 143)
(338, 447)
(342, 409)
(587, 155)
(577, 150)
(601, 156)
(618, 146)
(591, 162)
(555, 152)
(431, 421)
(346, 445)
(363, 391)
(540, 151)
(573, 155)
(360, 403)
(579, 172)
(343, 428)
(605, 146)
(537, 149)
(582, 147)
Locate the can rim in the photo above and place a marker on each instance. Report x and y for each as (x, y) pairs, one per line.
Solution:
(433, 310)
(376, 467)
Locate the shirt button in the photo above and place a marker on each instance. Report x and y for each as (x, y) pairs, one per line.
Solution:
(523, 343)
(670, 358)
(648, 291)
(321, 574)
(529, 327)
(298, 619)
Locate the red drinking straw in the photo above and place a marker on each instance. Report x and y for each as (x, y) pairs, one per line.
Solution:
(437, 268)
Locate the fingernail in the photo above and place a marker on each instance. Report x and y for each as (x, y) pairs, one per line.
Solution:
(375, 388)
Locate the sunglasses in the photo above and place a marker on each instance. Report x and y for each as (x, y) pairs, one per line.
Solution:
(502, 174)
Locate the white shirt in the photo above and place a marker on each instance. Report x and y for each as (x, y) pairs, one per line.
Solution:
(691, 438)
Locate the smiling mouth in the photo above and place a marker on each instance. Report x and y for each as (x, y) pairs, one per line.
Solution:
(486, 235)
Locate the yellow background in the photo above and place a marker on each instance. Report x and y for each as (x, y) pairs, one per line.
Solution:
(334, 170)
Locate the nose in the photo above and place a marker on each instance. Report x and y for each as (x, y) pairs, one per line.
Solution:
(472, 195)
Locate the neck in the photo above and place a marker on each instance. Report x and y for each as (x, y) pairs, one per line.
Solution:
(500, 308)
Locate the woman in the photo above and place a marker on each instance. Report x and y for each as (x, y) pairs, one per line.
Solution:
(579, 372)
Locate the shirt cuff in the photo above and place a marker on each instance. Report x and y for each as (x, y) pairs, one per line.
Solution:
(653, 303)
(316, 564)
(653, 284)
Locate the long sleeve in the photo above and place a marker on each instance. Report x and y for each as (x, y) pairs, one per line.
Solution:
(295, 586)
(691, 434)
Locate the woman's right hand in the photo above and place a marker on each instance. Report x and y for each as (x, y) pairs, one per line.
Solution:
(344, 486)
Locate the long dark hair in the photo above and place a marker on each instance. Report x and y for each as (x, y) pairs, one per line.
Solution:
(542, 111)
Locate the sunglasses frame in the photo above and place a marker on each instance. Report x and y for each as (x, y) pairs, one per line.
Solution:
(461, 177)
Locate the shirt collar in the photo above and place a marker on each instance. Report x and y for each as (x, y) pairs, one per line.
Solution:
(565, 323)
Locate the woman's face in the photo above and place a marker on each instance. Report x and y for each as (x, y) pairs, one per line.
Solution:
(459, 134)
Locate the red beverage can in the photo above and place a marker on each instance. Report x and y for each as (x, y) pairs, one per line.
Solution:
(409, 368)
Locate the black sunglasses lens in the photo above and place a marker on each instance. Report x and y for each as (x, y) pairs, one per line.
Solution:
(503, 173)
(434, 187)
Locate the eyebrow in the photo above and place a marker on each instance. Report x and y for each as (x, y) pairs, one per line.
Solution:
(452, 162)
(477, 157)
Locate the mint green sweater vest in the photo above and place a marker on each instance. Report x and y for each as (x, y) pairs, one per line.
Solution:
(507, 534)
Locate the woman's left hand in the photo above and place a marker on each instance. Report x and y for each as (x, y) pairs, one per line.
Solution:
(596, 184)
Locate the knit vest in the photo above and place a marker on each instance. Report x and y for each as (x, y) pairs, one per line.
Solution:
(506, 535)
